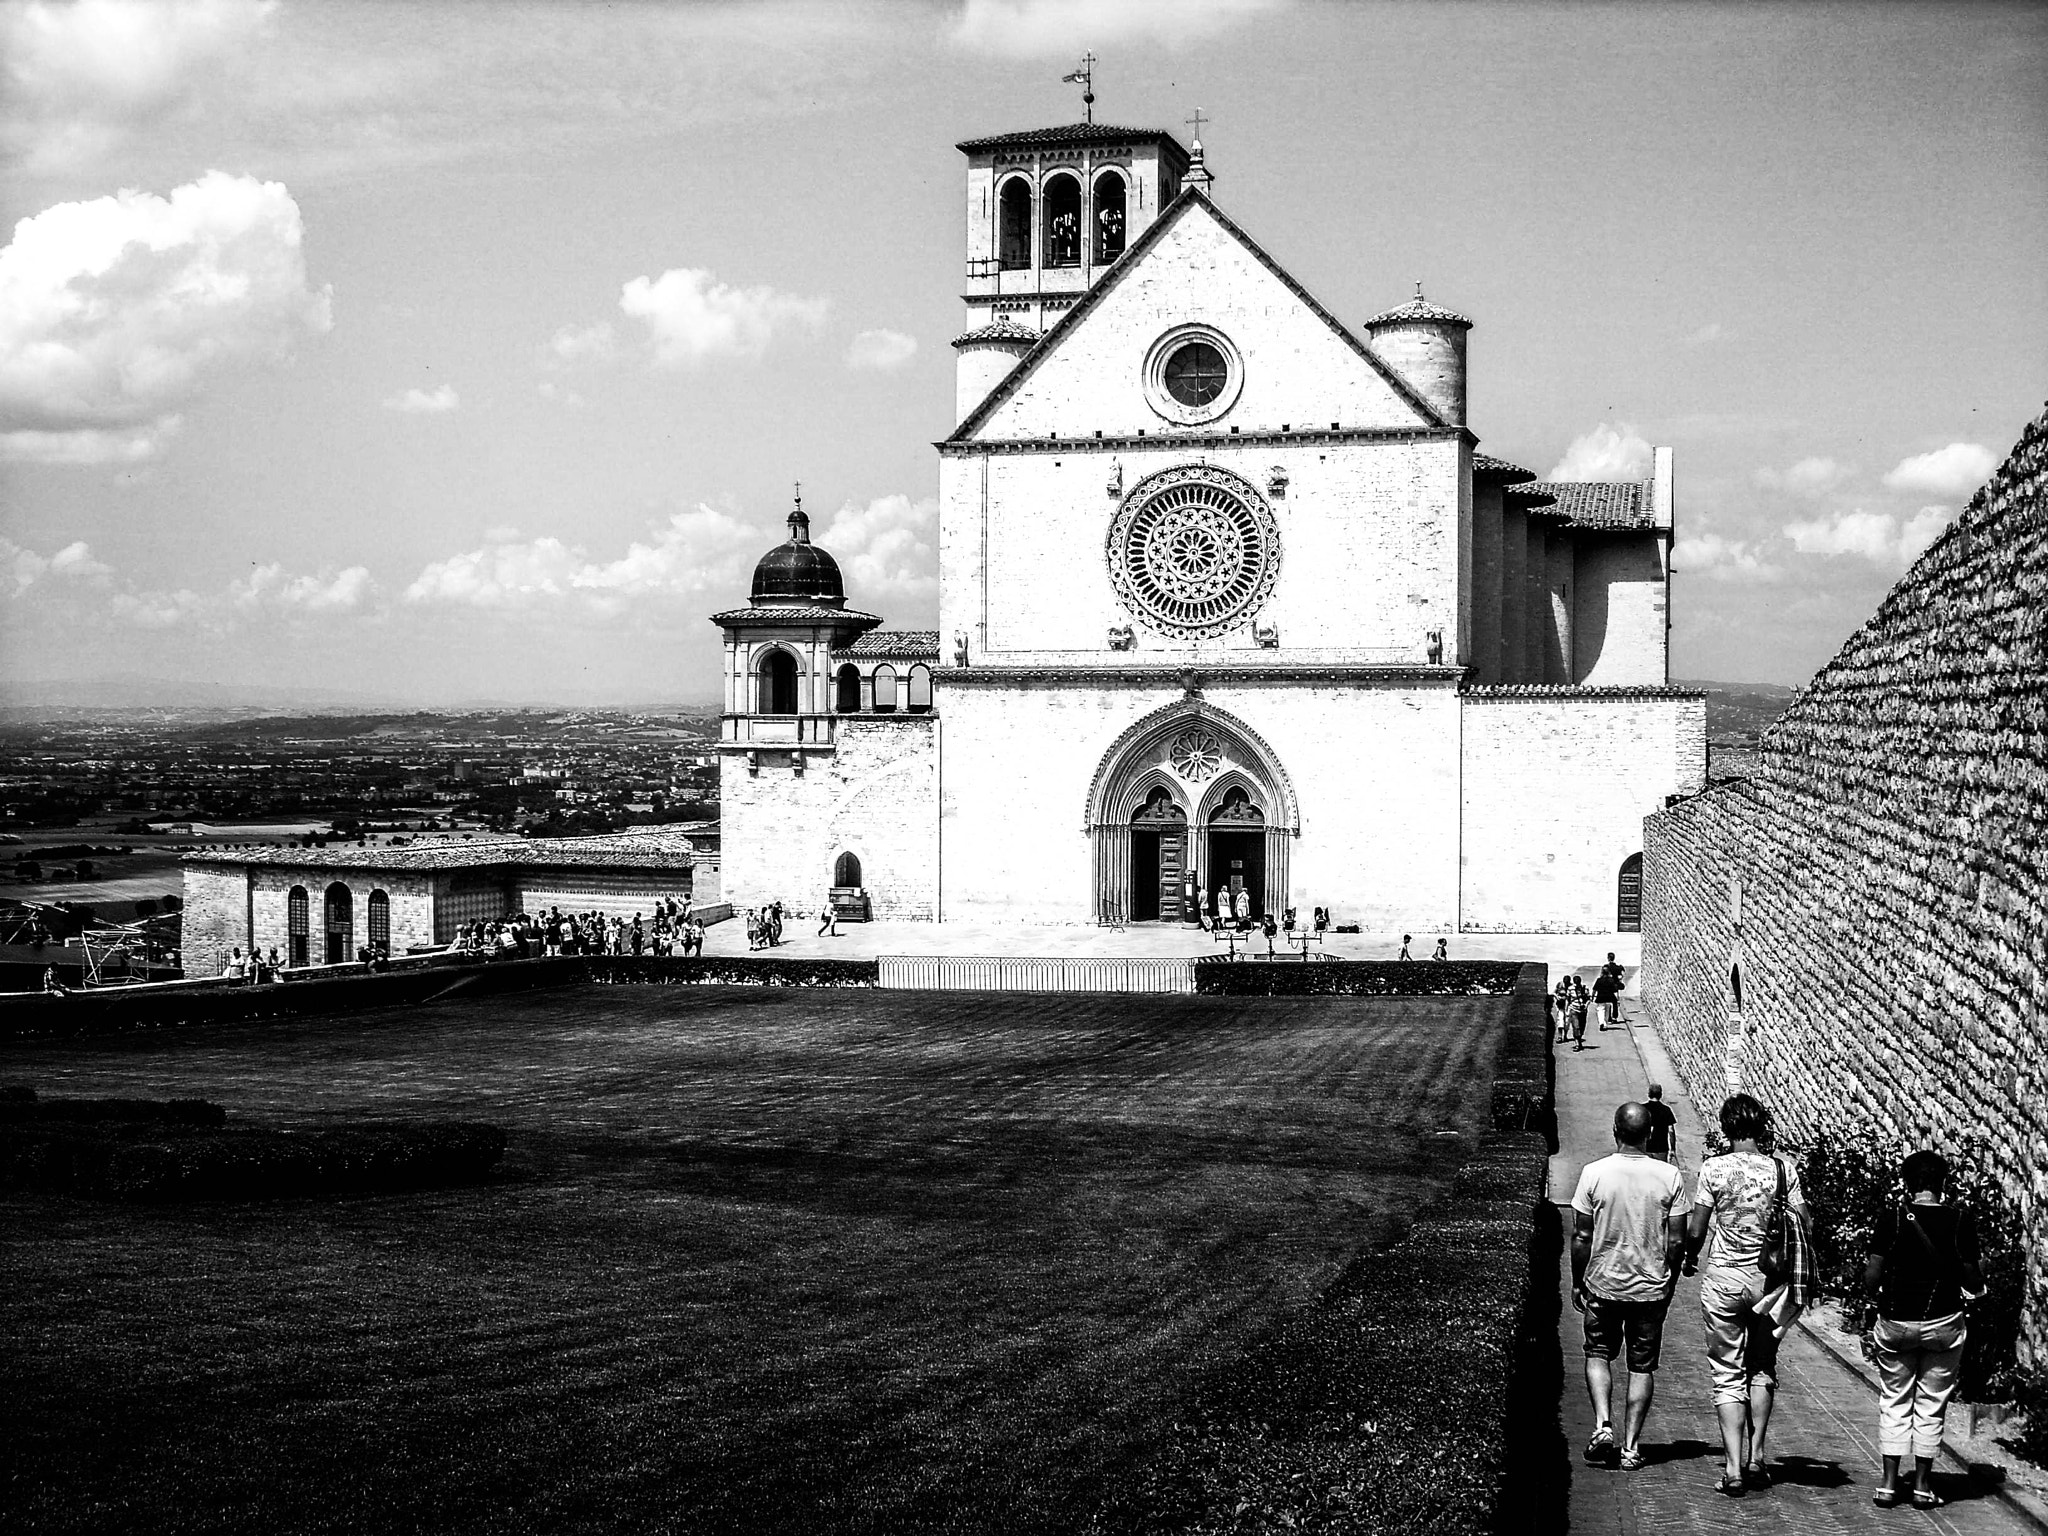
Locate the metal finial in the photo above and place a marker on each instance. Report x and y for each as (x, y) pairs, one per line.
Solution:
(1197, 121)
(1418, 290)
(799, 524)
(1084, 77)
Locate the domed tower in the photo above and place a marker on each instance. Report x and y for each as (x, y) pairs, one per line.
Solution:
(778, 651)
(987, 354)
(1425, 344)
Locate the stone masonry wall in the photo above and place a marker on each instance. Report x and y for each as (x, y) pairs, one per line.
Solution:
(216, 916)
(1878, 887)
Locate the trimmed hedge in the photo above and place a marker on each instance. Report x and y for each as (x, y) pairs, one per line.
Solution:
(1397, 1401)
(168, 1151)
(1354, 978)
(730, 970)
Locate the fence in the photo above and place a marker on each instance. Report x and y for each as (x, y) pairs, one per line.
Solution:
(1034, 973)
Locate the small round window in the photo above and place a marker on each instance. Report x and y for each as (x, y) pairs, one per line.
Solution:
(1196, 374)
(1193, 375)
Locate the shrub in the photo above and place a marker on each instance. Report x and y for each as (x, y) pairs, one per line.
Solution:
(731, 970)
(1354, 978)
(1850, 1180)
(196, 1112)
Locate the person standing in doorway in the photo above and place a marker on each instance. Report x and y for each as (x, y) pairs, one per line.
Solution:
(1243, 905)
(1663, 1142)
(1628, 1238)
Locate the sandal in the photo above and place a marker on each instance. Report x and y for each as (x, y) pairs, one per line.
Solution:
(1729, 1487)
(1756, 1478)
(1926, 1498)
(1887, 1498)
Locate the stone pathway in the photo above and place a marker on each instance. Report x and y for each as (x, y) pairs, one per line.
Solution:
(1823, 1440)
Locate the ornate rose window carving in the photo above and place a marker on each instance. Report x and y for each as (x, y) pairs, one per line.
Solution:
(1196, 755)
(1194, 552)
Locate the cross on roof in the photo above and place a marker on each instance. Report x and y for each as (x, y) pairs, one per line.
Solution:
(1196, 120)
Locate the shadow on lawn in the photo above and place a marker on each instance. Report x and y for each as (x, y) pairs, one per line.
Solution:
(1539, 1459)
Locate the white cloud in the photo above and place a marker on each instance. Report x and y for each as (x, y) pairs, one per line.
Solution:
(268, 587)
(1809, 477)
(549, 390)
(700, 553)
(583, 344)
(25, 568)
(1605, 453)
(1953, 472)
(690, 316)
(887, 549)
(1027, 28)
(1874, 536)
(158, 610)
(880, 349)
(1711, 331)
(87, 76)
(424, 402)
(113, 311)
(1720, 558)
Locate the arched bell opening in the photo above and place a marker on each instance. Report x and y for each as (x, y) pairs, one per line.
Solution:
(1013, 224)
(777, 675)
(1063, 221)
(1109, 217)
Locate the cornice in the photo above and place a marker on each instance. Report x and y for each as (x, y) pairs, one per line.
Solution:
(1204, 440)
(1507, 693)
(1193, 678)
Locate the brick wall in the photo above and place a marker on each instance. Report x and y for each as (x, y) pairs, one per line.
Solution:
(1878, 883)
(216, 916)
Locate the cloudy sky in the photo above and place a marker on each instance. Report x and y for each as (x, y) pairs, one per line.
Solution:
(456, 352)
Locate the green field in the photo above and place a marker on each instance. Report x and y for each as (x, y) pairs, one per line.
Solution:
(759, 1261)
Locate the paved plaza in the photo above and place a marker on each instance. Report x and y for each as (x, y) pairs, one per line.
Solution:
(1823, 1437)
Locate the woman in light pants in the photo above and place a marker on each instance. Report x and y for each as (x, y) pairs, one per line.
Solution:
(1923, 1266)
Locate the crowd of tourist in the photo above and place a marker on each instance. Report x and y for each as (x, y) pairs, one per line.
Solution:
(1744, 1230)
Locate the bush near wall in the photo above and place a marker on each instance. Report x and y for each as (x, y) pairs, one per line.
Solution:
(1354, 978)
(730, 970)
(160, 1162)
(1393, 1404)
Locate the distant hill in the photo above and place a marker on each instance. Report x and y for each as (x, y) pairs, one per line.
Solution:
(1740, 712)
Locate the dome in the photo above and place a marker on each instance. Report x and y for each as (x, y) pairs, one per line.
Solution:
(798, 571)
(1418, 311)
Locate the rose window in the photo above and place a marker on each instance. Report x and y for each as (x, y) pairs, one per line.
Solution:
(1196, 756)
(1194, 552)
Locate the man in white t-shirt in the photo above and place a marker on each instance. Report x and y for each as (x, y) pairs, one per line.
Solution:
(1628, 1238)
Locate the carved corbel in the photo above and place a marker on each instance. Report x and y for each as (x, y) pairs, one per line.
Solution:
(1276, 482)
(1267, 636)
(1121, 638)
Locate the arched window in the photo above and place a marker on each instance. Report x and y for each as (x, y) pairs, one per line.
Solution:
(1062, 221)
(1628, 903)
(1013, 233)
(885, 688)
(380, 922)
(846, 872)
(1109, 217)
(920, 688)
(846, 699)
(1735, 985)
(778, 684)
(297, 926)
(340, 924)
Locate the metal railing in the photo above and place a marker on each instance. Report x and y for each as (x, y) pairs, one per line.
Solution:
(1036, 973)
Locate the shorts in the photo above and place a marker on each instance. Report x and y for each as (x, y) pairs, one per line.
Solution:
(1742, 1343)
(1641, 1323)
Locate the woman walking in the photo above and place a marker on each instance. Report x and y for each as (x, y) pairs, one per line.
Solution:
(1746, 1199)
(1923, 1266)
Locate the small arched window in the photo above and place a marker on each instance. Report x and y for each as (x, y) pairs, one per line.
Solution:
(1063, 221)
(846, 872)
(339, 912)
(846, 696)
(778, 684)
(920, 689)
(1735, 984)
(380, 922)
(1109, 217)
(1013, 232)
(1628, 914)
(885, 688)
(298, 925)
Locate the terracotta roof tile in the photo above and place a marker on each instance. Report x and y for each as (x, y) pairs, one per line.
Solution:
(1485, 464)
(795, 613)
(1416, 310)
(896, 644)
(668, 848)
(1072, 133)
(1599, 503)
(1002, 328)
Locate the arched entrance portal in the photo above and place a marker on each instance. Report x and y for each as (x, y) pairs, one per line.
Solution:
(1188, 801)
(1159, 855)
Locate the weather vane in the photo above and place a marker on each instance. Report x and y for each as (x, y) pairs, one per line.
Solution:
(1085, 78)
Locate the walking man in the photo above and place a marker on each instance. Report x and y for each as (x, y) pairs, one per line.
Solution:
(828, 917)
(1663, 1142)
(1607, 993)
(1628, 1238)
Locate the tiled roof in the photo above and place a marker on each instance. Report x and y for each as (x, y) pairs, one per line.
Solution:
(796, 613)
(1002, 328)
(1599, 503)
(668, 848)
(1415, 310)
(900, 644)
(1485, 464)
(1073, 133)
(1581, 691)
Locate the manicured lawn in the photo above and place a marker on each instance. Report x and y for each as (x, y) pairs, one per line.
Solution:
(760, 1260)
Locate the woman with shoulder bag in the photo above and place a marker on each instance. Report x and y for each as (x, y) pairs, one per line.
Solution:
(1923, 1267)
(1747, 1198)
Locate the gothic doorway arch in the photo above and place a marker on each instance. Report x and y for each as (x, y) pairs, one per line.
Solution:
(1236, 808)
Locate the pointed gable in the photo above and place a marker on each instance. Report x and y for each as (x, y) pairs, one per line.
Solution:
(1301, 367)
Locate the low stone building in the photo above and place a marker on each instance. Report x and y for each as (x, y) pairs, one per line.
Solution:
(1858, 932)
(320, 905)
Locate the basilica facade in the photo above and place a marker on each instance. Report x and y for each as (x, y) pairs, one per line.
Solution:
(1229, 600)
